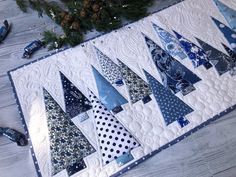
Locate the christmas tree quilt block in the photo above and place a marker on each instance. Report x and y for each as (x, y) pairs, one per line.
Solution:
(76, 103)
(228, 13)
(174, 75)
(100, 111)
(68, 146)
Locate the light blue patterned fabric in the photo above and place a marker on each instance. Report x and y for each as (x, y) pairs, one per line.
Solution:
(229, 34)
(108, 95)
(125, 158)
(195, 53)
(172, 108)
(228, 13)
(170, 43)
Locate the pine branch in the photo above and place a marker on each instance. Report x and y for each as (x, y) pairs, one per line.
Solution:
(22, 4)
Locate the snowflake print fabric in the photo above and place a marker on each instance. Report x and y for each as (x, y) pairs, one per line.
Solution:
(218, 59)
(170, 43)
(76, 103)
(110, 70)
(195, 53)
(228, 13)
(68, 146)
(172, 108)
(228, 33)
(138, 89)
(113, 138)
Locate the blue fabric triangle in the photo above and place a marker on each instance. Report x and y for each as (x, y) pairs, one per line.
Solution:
(228, 33)
(171, 106)
(228, 13)
(75, 101)
(108, 95)
(170, 43)
(218, 59)
(195, 53)
(175, 76)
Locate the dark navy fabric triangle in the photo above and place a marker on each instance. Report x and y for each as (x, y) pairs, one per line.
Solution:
(76, 103)
(218, 59)
(170, 42)
(195, 53)
(108, 95)
(229, 34)
(228, 13)
(172, 108)
(175, 76)
(231, 53)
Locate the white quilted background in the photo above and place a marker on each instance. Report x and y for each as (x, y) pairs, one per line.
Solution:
(213, 94)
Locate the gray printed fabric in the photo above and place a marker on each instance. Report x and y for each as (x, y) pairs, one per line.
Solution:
(138, 89)
(110, 70)
(68, 146)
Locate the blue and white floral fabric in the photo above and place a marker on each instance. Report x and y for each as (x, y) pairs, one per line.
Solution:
(170, 42)
(195, 53)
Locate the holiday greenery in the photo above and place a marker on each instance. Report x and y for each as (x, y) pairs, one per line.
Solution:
(76, 17)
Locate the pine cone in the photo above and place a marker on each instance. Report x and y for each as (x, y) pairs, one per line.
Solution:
(63, 14)
(75, 26)
(68, 18)
(95, 7)
(83, 13)
(95, 17)
(87, 3)
(64, 23)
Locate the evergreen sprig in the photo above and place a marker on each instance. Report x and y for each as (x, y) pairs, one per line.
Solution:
(85, 15)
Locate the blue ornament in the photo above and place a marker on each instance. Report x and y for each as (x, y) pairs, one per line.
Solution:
(4, 30)
(31, 48)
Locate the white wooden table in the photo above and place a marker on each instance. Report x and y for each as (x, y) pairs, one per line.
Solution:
(209, 152)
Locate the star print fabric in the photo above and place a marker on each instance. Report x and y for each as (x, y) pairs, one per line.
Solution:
(114, 139)
(108, 95)
(174, 75)
(138, 89)
(195, 53)
(68, 146)
(110, 70)
(228, 13)
(218, 59)
(172, 108)
(170, 43)
(76, 103)
(228, 33)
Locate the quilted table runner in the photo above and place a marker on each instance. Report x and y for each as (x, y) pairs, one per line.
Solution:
(103, 107)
